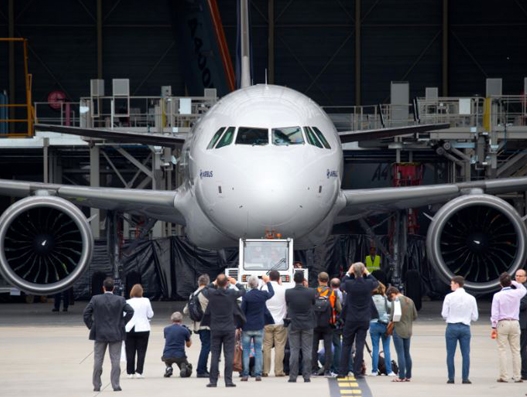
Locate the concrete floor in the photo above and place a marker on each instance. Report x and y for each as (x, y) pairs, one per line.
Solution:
(48, 354)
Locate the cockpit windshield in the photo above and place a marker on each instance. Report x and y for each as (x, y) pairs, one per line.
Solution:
(252, 136)
(287, 136)
(259, 256)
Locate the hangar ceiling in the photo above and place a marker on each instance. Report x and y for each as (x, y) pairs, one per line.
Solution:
(337, 52)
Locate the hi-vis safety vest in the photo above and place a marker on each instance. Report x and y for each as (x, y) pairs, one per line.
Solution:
(374, 264)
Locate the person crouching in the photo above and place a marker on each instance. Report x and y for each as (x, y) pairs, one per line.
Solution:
(177, 336)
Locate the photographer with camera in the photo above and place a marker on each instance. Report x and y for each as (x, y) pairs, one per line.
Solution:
(358, 285)
(177, 336)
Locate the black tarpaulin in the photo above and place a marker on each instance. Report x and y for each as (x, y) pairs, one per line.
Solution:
(168, 268)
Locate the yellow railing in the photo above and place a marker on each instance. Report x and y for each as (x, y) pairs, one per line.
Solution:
(29, 111)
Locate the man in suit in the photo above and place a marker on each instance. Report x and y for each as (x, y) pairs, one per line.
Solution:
(221, 316)
(104, 318)
(300, 301)
(521, 277)
(358, 285)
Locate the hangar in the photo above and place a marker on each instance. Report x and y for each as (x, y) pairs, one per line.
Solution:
(370, 64)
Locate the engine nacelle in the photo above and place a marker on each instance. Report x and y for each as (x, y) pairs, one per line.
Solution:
(46, 244)
(477, 236)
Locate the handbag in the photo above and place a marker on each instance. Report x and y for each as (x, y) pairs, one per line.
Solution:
(237, 362)
(389, 328)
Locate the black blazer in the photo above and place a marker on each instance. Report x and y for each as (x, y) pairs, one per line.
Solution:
(523, 311)
(223, 312)
(300, 303)
(359, 305)
(104, 317)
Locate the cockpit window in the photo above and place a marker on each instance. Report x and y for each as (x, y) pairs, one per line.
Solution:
(215, 138)
(322, 138)
(312, 138)
(252, 136)
(227, 138)
(287, 136)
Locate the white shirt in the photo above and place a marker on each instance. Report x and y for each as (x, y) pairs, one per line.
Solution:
(459, 307)
(276, 304)
(142, 314)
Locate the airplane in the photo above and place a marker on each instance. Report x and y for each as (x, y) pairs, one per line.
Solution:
(264, 157)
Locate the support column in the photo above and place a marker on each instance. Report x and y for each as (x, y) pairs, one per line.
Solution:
(11, 56)
(270, 51)
(445, 49)
(99, 39)
(95, 181)
(358, 54)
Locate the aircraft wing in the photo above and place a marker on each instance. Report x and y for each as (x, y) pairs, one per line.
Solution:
(116, 135)
(150, 203)
(369, 135)
(363, 202)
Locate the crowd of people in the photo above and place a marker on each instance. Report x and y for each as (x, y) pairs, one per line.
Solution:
(293, 321)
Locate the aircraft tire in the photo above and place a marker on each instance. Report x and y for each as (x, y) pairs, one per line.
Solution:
(413, 287)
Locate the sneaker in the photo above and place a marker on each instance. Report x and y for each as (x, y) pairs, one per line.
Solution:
(130, 376)
(374, 374)
(391, 374)
(168, 372)
(139, 376)
(54, 310)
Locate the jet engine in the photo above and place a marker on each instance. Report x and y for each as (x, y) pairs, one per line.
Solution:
(477, 236)
(46, 244)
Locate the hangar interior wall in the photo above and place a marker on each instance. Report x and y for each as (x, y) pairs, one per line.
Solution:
(168, 268)
(334, 51)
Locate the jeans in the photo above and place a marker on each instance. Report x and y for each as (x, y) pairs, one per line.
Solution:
(204, 337)
(257, 338)
(457, 332)
(326, 334)
(377, 333)
(337, 347)
(404, 360)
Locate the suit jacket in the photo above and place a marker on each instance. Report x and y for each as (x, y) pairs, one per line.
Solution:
(223, 312)
(254, 308)
(104, 317)
(300, 303)
(359, 305)
(523, 311)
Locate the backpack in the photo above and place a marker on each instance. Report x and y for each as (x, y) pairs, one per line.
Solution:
(382, 365)
(325, 307)
(195, 311)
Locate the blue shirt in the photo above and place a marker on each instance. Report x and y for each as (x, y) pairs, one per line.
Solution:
(175, 338)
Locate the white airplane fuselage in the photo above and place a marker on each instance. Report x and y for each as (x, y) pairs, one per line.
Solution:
(243, 190)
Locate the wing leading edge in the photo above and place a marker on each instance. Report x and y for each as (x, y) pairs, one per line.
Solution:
(122, 136)
(368, 135)
(364, 202)
(150, 203)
